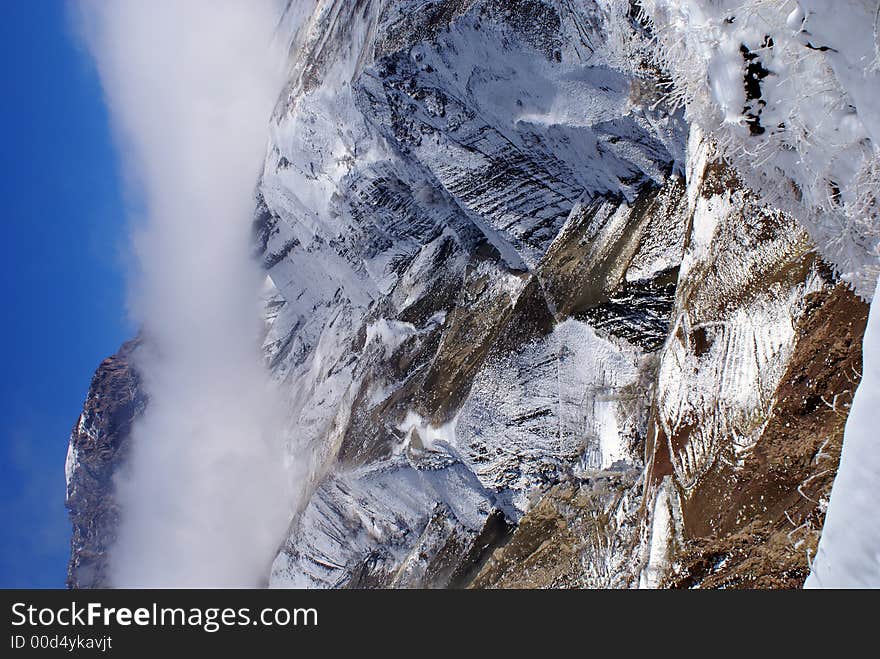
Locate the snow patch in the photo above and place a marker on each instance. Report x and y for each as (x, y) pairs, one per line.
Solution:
(71, 463)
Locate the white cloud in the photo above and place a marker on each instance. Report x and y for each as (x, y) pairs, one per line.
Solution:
(190, 86)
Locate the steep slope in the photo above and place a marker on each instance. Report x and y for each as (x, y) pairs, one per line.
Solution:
(753, 390)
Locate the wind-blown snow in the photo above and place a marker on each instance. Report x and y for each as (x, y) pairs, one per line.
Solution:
(789, 91)
(191, 85)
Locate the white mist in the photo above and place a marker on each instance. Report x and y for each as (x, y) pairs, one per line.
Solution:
(205, 498)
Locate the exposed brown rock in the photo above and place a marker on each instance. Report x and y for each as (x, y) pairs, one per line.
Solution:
(572, 538)
(758, 525)
(588, 261)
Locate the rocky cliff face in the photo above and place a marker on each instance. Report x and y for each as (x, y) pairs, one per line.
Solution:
(529, 331)
(97, 450)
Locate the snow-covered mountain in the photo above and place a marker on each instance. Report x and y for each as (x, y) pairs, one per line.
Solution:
(537, 321)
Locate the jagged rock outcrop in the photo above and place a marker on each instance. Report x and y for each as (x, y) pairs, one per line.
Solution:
(524, 338)
(98, 447)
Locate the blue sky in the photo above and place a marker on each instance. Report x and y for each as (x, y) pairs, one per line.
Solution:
(62, 274)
